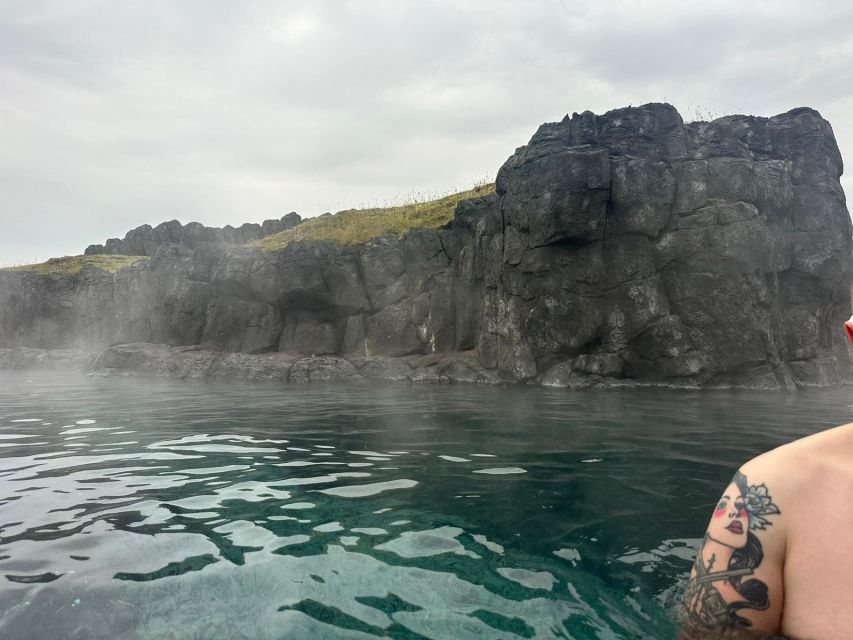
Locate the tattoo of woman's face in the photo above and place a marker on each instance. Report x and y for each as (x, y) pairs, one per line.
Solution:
(730, 520)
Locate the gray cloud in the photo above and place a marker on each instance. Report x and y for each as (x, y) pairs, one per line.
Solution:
(117, 114)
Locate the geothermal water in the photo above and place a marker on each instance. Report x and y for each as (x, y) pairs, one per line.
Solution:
(134, 508)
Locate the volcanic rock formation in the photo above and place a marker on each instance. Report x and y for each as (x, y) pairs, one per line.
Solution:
(145, 239)
(627, 248)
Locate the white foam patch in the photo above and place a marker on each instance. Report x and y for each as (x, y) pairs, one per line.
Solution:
(491, 546)
(299, 505)
(205, 437)
(246, 491)
(85, 430)
(454, 459)
(215, 471)
(28, 420)
(682, 548)
(432, 542)
(482, 455)
(85, 422)
(368, 453)
(364, 490)
(324, 479)
(568, 553)
(201, 515)
(592, 460)
(370, 531)
(299, 481)
(247, 534)
(219, 448)
(529, 579)
(349, 541)
(297, 538)
(329, 527)
(635, 557)
(501, 471)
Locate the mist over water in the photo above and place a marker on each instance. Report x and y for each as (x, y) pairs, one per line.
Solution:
(142, 508)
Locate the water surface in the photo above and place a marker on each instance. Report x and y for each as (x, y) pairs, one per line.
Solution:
(141, 508)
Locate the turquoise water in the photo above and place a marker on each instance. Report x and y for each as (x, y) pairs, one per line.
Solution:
(133, 508)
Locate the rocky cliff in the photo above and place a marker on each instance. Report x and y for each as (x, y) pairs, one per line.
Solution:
(145, 239)
(625, 248)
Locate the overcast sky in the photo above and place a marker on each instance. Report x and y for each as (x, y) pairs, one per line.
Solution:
(119, 113)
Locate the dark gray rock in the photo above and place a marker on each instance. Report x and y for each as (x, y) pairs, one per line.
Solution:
(466, 369)
(396, 369)
(241, 366)
(323, 369)
(392, 332)
(382, 268)
(190, 362)
(309, 335)
(354, 337)
(236, 324)
(145, 240)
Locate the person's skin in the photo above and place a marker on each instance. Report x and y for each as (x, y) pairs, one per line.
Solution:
(800, 504)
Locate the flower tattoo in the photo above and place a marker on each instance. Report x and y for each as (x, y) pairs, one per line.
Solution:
(759, 505)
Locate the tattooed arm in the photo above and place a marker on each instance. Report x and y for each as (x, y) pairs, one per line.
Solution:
(736, 586)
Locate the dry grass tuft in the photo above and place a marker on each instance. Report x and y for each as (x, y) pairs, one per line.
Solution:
(72, 265)
(357, 226)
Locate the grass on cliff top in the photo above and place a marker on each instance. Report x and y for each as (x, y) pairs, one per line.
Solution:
(357, 226)
(72, 265)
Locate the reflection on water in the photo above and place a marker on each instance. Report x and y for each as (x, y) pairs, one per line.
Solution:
(156, 509)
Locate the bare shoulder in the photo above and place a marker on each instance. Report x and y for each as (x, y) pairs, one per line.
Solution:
(837, 440)
(826, 456)
(749, 570)
(808, 480)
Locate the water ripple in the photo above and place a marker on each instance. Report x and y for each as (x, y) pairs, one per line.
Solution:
(234, 511)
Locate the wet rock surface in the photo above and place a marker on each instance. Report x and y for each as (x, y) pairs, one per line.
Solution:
(623, 249)
(160, 360)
